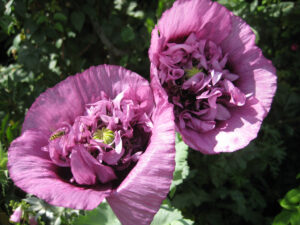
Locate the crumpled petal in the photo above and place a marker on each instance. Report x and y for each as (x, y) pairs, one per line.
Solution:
(34, 172)
(67, 100)
(138, 198)
(234, 134)
(233, 63)
(205, 18)
(257, 74)
(85, 168)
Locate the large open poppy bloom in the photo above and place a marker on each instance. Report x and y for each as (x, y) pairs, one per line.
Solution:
(220, 84)
(99, 134)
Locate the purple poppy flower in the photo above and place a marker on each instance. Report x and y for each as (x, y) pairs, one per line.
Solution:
(220, 84)
(17, 215)
(99, 134)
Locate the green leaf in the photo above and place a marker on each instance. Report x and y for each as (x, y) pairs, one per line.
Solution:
(291, 200)
(104, 215)
(59, 27)
(181, 168)
(101, 215)
(282, 218)
(3, 158)
(60, 16)
(295, 218)
(77, 19)
(127, 34)
(170, 216)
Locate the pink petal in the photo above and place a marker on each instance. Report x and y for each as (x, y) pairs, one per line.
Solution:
(257, 74)
(235, 134)
(67, 100)
(138, 197)
(85, 168)
(204, 18)
(17, 215)
(82, 172)
(209, 20)
(33, 171)
(215, 76)
(222, 113)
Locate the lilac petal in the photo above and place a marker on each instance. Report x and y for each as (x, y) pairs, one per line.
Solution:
(82, 172)
(112, 157)
(197, 79)
(176, 74)
(204, 18)
(230, 76)
(222, 113)
(138, 198)
(215, 76)
(67, 100)
(56, 153)
(240, 129)
(237, 97)
(201, 125)
(88, 168)
(118, 142)
(142, 97)
(33, 171)
(257, 74)
(17, 215)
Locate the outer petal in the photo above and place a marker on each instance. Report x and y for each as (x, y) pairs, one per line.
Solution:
(257, 74)
(139, 196)
(67, 100)
(207, 19)
(233, 134)
(33, 171)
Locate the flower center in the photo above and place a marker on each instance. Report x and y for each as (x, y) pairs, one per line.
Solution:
(191, 72)
(105, 142)
(105, 135)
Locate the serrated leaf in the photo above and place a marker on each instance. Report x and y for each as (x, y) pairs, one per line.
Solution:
(101, 215)
(77, 19)
(170, 216)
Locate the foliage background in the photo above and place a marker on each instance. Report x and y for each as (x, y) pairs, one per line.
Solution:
(43, 42)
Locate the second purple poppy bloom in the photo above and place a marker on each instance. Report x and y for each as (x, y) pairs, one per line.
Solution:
(99, 134)
(220, 84)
